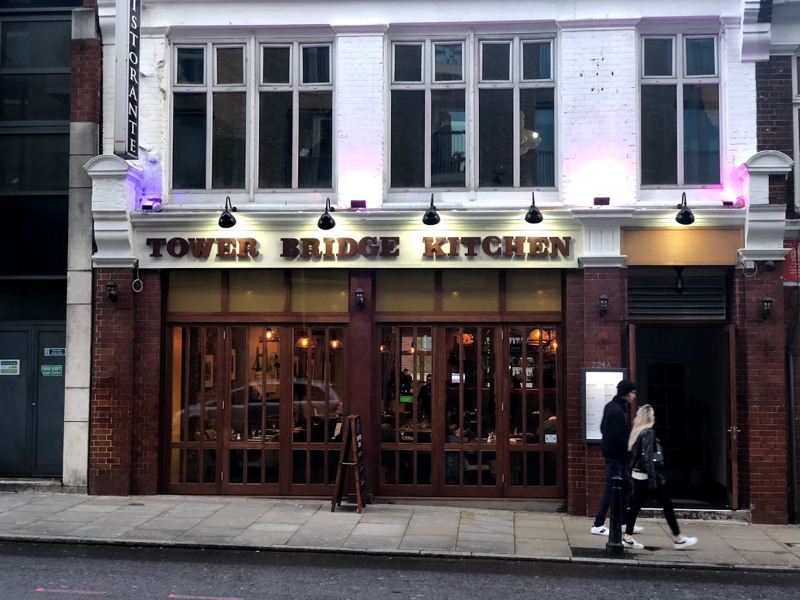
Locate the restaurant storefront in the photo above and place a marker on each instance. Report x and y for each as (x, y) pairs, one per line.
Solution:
(467, 409)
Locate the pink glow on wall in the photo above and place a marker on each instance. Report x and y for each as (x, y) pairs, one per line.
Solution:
(360, 178)
(598, 172)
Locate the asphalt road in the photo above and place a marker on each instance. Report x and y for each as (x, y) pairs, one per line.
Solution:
(40, 571)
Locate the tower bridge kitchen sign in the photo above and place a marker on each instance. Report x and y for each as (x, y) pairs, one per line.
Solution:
(403, 251)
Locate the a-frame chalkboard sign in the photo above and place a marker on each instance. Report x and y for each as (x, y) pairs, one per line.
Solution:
(351, 455)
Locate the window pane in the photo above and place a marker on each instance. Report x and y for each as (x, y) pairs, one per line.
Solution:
(404, 290)
(701, 133)
(275, 140)
(35, 44)
(189, 141)
(316, 64)
(408, 63)
(230, 65)
(316, 140)
(34, 162)
(495, 65)
(496, 138)
(34, 97)
(408, 138)
(537, 137)
(318, 290)
(276, 65)
(49, 213)
(700, 57)
(229, 141)
(194, 291)
(533, 289)
(470, 290)
(256, 290)
(449, 62)
(659, 135)
(658, 58)
(536, 61)
(448, 138)
(190, 66)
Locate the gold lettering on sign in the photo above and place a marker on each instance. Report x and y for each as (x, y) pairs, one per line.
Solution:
(494, 246)
(178, 247)
(344, 247)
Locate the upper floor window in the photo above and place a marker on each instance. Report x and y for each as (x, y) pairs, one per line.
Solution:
(291, 103)
(680, 110)
(435, 140)
(34, 103)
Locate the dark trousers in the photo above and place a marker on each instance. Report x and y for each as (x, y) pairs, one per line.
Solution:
(641, 490)
(614, 468)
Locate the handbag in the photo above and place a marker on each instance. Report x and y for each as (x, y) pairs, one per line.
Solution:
(658, 454)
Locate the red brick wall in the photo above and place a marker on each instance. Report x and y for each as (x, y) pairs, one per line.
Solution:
(147, 385)
(85, 81)
(591, 339)
(791, 297)
(761, 399)
(110, 414)
(774, 120)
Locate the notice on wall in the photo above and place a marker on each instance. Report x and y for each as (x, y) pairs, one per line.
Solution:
(9, 366)
(599, 386)
(55, 351)
(51, 370)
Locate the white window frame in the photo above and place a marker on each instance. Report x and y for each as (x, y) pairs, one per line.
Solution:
(678, 79)
(252, 86)
(471, 83)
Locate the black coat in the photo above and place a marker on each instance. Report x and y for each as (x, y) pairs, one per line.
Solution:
(615, 430)
(647, 456)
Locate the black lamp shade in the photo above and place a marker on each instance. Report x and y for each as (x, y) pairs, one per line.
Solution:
(685, 215)
(226, 219)
(534, 215)
(326, 221)
(431, 217)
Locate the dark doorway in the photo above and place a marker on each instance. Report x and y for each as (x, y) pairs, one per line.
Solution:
(684, 372)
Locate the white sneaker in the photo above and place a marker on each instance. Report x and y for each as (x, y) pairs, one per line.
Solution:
(638, 529)
(602, 530)
(684, 542)
(631, 543)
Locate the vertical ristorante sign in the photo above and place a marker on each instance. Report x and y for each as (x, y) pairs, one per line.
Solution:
(126, 118)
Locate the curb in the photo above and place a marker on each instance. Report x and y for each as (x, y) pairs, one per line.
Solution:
(625, 562)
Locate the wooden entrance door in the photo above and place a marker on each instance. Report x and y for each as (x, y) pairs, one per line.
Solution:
(470, 411)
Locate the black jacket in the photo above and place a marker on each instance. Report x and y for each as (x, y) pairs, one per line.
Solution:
(615, 430)
(643, 457)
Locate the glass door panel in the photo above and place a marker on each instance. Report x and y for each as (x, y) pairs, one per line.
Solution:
(196, 396)
(470, 449)
(318, 392)
(533, 443)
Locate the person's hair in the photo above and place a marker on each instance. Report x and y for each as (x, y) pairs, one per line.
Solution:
(645, 419)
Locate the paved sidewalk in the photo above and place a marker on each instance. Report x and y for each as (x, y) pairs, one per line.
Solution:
(395, 529)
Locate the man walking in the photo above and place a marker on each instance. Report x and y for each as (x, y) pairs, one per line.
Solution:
(615, 430)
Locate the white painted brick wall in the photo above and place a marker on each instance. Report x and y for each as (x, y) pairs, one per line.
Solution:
(598, 123)
(361, 117)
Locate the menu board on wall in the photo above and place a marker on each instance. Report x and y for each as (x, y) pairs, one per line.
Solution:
(599, 386)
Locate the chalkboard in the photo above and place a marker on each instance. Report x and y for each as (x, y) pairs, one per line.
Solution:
(351, 455)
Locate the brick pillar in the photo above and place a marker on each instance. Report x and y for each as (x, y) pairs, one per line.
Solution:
(110, 416)
(592, 340)
(761, 397)
(147, 385)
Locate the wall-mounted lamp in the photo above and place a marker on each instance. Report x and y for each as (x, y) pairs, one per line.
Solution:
(335, 344)
(534, 215)
(359, 293)
(679, 286)
(111, 289)
(270, 335)
(326, 221)
(226, 219)
(431, 217)
(684, 216)
(602, 308)
(766, 307)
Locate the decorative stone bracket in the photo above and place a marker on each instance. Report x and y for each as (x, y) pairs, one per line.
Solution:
(115, 185)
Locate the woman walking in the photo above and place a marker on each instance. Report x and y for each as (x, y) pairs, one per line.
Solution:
(647, 472)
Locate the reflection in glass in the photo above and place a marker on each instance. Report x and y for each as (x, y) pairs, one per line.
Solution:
(448, 138)
(448, 62)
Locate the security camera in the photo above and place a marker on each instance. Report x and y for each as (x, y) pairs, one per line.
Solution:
(769, 266)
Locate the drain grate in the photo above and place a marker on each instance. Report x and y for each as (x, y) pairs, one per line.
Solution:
(596, 553)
